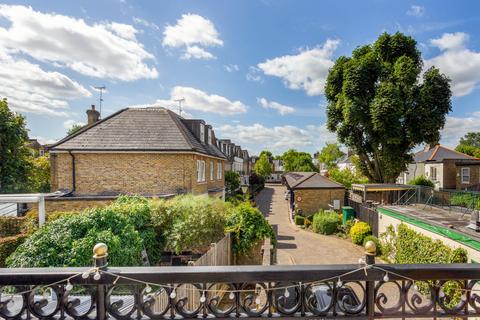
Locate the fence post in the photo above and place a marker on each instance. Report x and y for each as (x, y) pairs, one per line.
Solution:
(370, 252)
(100, 253)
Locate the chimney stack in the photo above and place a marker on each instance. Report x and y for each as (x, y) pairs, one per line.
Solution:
(93, 115)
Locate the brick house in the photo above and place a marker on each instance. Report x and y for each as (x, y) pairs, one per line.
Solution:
(148, 151)
(310, 192)
(446, 168)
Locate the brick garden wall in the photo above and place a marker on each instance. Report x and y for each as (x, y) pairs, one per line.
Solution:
(316, 199)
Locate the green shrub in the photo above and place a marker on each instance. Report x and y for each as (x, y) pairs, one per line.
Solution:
(359, 231)
(68, 241)
(248, 226)
(10, 226)
(467, 200)
(413, 247)
(326, 222)
(299, 220)
(422, 181)
(8, 245)
(189, 222)
(378, 245)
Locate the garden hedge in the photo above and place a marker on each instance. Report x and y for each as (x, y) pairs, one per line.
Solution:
(359, 231)
(11, 226)
(8, 245)
(325, 222)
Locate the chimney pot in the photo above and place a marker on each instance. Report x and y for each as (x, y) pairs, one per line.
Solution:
(93, 107)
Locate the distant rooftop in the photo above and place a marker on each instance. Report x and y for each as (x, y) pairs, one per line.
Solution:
(310, 180)
(440, 153)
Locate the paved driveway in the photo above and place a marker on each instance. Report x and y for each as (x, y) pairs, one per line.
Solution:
(297, 246)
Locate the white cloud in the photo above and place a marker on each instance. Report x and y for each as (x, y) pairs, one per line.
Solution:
(197, 53)
(28, 88)
(253, 74)
(416, 11)
(231, 67)
(43, 140)
(192, 33)
(104, 50)
(457, 127)
(459, 63)
(307, 70)
(199, 100)
(279, 138)
(282, 109)
(70, 123)
(145, 23)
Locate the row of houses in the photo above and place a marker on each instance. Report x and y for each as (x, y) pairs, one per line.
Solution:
(150, 151)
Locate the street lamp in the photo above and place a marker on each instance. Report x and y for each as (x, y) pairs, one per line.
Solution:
(244, 189)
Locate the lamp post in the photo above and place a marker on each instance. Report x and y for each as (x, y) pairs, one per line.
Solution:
(244, 188)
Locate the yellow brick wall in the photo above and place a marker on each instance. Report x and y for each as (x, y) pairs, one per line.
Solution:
(139, 173)
(71, 205)
(313, 200)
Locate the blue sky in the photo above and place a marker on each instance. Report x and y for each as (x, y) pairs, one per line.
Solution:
(253, 69)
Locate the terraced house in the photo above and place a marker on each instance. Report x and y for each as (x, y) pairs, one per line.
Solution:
(148, 151)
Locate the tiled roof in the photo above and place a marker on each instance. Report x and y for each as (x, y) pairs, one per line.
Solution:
(137, 129)
(310, 180)
(438, 154)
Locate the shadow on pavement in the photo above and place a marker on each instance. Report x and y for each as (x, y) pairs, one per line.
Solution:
(282, 237)
(264, 200)
(284, 245)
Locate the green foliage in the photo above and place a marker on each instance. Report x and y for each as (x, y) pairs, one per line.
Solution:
(469, 150)
(299, 220)
(387, 240)
(267, 153)
(467, 200)
(413, 247)
(248, 226)
(326, 222)
(381, 108)
(73, 129)
(189, 222)
(359, 231)
(330, 154)
(471, 139)
(10, 226)
(68, 241)
(422, 181)
(39, 177)
(263, 167)
(377, 242)
(232, 181)
(346, 177)
(15, 156)
(8, 245)
(294, 161)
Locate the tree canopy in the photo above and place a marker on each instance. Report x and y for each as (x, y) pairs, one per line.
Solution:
(470, 144)
(232, 181)
(15, 155)
(381, 106)
(294, 160)
(330, 154)
(263, 167)
(74, 128)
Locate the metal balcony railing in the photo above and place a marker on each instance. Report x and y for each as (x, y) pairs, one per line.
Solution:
(363, 291)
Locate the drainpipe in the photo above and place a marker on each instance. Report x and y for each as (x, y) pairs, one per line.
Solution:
(73, 172)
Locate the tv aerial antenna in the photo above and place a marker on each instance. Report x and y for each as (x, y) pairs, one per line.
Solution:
(180, 105)
(100, 100)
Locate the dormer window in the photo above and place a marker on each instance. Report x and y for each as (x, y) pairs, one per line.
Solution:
(202, 132)
(209, 136)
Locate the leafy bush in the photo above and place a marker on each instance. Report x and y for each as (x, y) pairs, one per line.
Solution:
(232, 182)
(422, 181)
(189, 222)
(325, 222)
(377, 242)
(359, 231)
(299, 220)
(413, 247)
(467, 200)
(8, 246)
(248, 226)
(68, 241)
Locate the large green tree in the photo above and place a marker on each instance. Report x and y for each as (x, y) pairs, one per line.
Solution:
(381, 106)
(330, 154)
(470, 144)
(295, 161)
(263, 167)
(15, 155)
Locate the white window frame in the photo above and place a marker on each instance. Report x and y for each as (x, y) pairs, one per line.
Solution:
(467, 169)
(209, 136)
(433, 173)
(202, 132)
(219, 171)
(199, 171)
(211, 170)
(203, 170)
